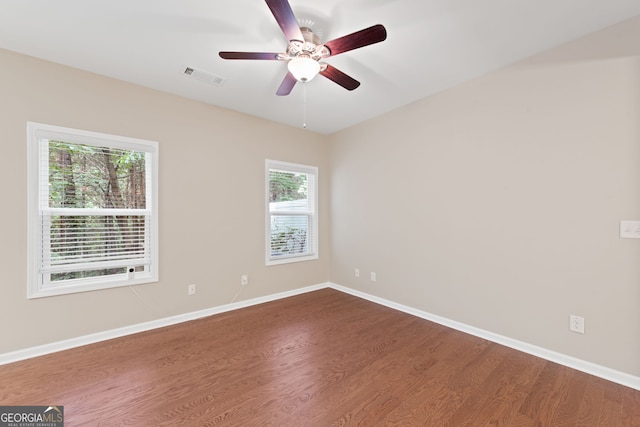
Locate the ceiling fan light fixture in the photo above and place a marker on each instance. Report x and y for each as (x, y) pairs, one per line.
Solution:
(303, 68)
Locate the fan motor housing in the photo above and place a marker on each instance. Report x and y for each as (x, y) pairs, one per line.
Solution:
(311, 47)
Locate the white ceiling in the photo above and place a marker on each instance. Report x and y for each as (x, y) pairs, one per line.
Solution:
(431, 45)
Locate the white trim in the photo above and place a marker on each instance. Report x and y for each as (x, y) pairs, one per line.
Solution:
(609, 374)
(42, 130)
(53, 347)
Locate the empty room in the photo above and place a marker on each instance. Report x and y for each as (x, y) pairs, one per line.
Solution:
(320, 213)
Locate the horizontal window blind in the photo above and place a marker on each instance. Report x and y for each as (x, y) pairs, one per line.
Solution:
(290, 235)
(82, 242)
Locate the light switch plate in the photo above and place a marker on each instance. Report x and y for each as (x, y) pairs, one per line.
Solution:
(630, 229)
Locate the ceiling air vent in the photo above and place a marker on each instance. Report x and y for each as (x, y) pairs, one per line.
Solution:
(204, 76)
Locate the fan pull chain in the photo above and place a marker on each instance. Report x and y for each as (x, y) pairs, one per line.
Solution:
(304, 105)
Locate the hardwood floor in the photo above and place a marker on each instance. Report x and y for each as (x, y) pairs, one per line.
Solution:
(323, 358)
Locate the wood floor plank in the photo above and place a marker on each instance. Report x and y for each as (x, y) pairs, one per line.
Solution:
(591, 405)
(496, 399)
(506, 406)
(630, 407)
(542, 403)
(400, 368)
(323, 358)
(426, 403)
(570, 400)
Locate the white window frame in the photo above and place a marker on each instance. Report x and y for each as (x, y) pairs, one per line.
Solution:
(37, 168)
(312, 213)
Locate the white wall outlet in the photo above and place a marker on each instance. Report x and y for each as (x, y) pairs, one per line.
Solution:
(244, 280)
(357, 273)
(374, 277)
(191, 289)
(576, 324)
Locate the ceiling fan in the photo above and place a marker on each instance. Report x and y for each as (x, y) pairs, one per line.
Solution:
(305, 51)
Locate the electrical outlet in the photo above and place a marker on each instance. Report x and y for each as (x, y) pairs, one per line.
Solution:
(357, 273)
(374, 277)
(191, 289)
(244, 280)
(576, 324)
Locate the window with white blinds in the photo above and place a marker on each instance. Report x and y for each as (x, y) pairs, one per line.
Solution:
(291, 212)
(93, 216)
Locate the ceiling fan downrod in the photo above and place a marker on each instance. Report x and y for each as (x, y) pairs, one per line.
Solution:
(304, 105)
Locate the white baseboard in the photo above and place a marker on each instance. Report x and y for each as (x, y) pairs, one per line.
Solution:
(41, 350)
(609, 374)
(562, 359)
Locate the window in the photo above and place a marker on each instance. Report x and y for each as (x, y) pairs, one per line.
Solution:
(93, 216)
(291, 212)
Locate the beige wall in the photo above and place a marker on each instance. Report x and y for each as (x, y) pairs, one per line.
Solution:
(497, 203)
(211, 200)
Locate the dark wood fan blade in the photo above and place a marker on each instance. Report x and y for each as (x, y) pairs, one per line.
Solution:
(248, 55)
(361, 38)
(286, 19)
(287, 85)
(337, 76)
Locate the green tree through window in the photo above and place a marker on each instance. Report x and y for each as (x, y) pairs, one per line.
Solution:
(88, 177)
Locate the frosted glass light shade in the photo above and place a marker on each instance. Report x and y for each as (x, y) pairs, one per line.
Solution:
(303, 69)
